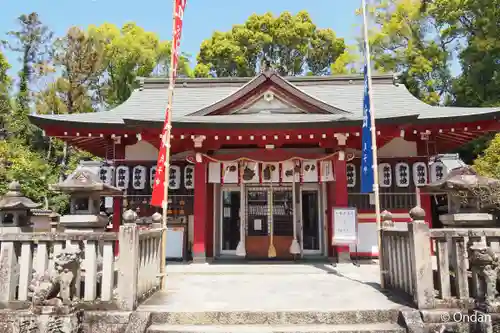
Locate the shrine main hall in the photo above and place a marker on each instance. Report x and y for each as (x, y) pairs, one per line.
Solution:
(269, 158)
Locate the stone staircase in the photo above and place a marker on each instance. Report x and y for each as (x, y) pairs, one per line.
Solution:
(374, 321)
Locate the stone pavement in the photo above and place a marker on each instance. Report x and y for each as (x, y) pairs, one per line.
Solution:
(270, 287)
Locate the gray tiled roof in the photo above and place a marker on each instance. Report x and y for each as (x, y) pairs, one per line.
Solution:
(191, 95)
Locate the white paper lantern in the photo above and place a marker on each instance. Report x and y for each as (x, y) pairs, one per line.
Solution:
(106, 174)
(402, 174)
(189, 177)
(122, 177)
(438, 171)
(152, 173)
(139, 177)
(420, 173)
(174, 177)
(385, 175)
(350, 170)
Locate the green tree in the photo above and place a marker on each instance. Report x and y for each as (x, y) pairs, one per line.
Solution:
(5, 81)
(409, 40)
(79, 58)
(32, 41)
(476, 23)
(488, 163)
(293, 45)
(347, 63)
(131, 52)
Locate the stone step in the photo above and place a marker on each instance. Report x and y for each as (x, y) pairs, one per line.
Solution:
(276, 317)
(352, 328)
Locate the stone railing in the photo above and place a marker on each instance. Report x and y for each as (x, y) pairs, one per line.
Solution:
(461, 273)
(460, 276)
(406, 264)
(80, 267)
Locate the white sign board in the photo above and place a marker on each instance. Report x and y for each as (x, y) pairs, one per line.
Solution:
(175, 243)
(344, 226)
(257, 224)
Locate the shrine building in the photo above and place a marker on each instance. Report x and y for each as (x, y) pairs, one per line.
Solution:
(254, 155)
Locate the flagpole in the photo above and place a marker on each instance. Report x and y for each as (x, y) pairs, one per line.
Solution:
(374, 140)
(166, 177)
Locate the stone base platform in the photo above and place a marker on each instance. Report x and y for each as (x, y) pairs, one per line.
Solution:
(360, 328)
(271, 287)
(274, 297)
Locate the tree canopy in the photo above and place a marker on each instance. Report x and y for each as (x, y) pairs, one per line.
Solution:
(291, 44)
(95, 68)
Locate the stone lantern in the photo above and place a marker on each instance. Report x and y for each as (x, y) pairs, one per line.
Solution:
(469, 196)
(85, 190)
(15, 210)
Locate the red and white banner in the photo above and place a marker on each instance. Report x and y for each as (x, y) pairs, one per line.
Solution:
(164, 154)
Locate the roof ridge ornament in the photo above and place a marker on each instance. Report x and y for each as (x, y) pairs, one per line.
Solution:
(396, 79)
(266, 66)
(141, 83)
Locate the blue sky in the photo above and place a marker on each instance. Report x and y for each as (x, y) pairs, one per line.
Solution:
(202, 17)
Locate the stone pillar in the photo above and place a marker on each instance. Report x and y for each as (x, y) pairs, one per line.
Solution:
(340, 193)
(420, 247)
(128, 262)
(200, 212)
(387, 223)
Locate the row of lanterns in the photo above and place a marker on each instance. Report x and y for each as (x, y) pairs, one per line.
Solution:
(138, 177)
(255, 172)
(418, 170)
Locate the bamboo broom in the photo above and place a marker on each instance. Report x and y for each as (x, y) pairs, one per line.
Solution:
(271, 252)
(295, 246)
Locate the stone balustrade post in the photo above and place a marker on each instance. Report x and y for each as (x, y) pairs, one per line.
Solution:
(386, 218)
(421, 259)
(156, 218)
(387, 223)
(128, 262)
(8, 272)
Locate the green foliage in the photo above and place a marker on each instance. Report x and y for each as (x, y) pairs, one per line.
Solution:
(96, 68)
(19, 162)
(128, 53)
(32, 41)
(477, 24)
(79, 58)
(407, 39)
(292, 45)
(5, 81)
(346, 63)
(488, 163)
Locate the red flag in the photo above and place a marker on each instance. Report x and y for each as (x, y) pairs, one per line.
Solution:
(161, 176)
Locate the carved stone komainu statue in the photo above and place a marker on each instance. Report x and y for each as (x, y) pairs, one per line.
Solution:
(486, 264)
(56, 287)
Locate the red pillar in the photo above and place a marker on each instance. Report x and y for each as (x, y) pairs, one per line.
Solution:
(200, 212)
(340, 194)
(209, 220)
